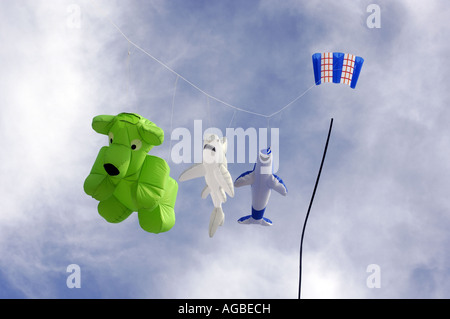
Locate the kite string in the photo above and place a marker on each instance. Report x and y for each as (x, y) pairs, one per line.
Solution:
(171, 113)
(199, 89)
(209, 111)
(292, 102)
(309, 208)
(128, 75)
(232, 118)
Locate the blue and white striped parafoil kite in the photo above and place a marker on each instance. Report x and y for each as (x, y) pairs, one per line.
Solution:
(337, 67)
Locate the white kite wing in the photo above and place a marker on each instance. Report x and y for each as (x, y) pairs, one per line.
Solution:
(195, 171)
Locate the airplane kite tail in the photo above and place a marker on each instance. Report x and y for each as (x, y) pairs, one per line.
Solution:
(217, 219)
(256, 218)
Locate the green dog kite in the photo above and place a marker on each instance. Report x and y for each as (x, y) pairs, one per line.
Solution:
(125, 179)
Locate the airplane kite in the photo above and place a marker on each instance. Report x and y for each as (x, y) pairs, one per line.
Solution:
(262, 181)
(218, 180)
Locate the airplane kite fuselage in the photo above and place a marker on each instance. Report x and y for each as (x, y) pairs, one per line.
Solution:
(261, 191)
(262, 181)
(212, 175)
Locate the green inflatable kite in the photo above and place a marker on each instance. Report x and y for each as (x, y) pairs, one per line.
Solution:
(125, 179)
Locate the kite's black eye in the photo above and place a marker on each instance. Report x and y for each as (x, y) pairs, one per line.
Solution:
(111, 137)
(136, 144)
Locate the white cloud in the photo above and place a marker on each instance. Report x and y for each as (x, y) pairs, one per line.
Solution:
(382, 197)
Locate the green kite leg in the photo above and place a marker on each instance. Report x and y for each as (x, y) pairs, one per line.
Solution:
(162, 217)
(112, 210)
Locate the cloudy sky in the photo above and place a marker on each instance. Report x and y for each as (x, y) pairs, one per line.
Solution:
(383, 194)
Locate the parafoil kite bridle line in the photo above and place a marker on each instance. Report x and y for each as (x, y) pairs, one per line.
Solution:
(309, 208)
(268, 116)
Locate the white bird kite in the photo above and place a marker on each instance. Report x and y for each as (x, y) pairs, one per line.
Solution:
(218, 179)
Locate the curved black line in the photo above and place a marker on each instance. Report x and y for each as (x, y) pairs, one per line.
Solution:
(309, 209)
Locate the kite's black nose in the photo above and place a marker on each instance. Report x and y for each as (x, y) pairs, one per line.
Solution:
(111, 169)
